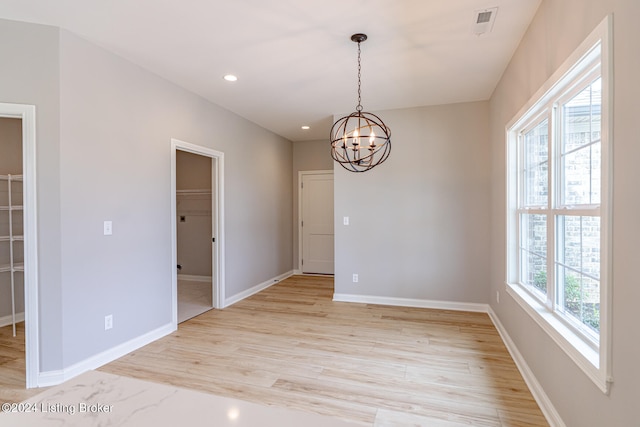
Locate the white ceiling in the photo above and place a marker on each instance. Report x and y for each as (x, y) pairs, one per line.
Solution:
(294, 59)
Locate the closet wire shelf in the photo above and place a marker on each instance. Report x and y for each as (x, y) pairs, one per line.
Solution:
(13, 266)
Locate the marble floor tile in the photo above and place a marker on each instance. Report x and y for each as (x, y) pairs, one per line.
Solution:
(101, 399)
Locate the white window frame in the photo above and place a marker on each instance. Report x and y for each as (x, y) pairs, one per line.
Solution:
(593, 356)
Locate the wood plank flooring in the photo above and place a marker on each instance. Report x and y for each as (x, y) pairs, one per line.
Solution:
(12, 366)
(292, 346)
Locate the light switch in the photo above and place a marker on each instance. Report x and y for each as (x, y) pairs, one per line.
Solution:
(345, 220)
(108, 228)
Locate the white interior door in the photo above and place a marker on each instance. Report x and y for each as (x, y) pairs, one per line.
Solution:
(317, 223)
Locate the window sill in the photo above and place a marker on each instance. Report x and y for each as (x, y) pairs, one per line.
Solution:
(578, 350)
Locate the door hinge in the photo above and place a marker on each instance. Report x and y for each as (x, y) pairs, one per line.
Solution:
(302, 262)
(301, 223)
(302, 185)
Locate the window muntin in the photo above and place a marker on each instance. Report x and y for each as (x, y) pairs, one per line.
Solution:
(581, 146)
(533, 253)
(535, 165)
(578, 272)
(569, 297)
(547, 223)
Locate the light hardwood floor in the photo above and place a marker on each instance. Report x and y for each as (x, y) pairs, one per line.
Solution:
(292, 346)
(12, 366)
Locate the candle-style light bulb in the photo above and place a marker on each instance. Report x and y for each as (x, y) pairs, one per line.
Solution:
(356, 137)
(372, 138)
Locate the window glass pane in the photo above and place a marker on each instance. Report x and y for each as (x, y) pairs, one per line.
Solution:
(533, 251)
(535, 165)
(579, 243)
(579, 298)
(578, 268)
(582, 176)
(581, 151)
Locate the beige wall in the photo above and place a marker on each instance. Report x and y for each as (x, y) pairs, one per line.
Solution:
(193, 172)
(307, 156)
(558, 28)
(10, 146)
(419, 222)
(10, 163)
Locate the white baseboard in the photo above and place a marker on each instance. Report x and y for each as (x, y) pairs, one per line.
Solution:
(257, 288)
(50, 378)
(297, 272)
(410, 302)
(194, 278)
(547, 408)
(8, 320)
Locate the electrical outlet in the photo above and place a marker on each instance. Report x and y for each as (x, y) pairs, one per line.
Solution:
(108, 228)
(108, 322)
(355, 278)
(498, 296)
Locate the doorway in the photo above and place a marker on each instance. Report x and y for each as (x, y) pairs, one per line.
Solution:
(18, 239)
(194, 234)
(197, 189)
(12, 351)
(316, 222)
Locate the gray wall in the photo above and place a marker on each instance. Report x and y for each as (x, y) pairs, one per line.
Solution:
(307, 156)
(104, 128)
(116, 124)
(421, 215)
(10, 163)
(558, 28)
(30, 75)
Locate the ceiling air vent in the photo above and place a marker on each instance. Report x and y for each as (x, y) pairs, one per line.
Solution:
(483, 20)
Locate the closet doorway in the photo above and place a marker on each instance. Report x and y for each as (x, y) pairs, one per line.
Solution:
(197, 229)
(18, 241)
(12, 343)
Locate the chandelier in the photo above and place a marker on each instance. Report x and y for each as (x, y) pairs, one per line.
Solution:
(361, 140)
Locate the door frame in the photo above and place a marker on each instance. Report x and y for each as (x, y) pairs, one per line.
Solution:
(217, 223)
(27, 113)
(300, 175)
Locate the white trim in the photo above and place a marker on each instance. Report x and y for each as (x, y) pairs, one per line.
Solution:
(300, 175)
(194, 278)
(595, 365)
(257, 288)
(412, 302)
(547, 408)
(49, 378)
(217, 226)
(32, 333)
(574, 346)
(297, 273)
(8, 319)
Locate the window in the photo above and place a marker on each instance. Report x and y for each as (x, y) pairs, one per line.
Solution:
(558, 207)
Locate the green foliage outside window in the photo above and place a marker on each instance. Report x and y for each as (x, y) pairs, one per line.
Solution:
(573, 299)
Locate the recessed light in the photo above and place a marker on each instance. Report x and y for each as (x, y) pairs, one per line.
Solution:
(230, 78)
(306, 127)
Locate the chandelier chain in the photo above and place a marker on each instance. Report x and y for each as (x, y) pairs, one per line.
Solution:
(361, 140)
(359, 106)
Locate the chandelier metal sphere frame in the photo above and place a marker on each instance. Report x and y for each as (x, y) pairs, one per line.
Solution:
(361, 140)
